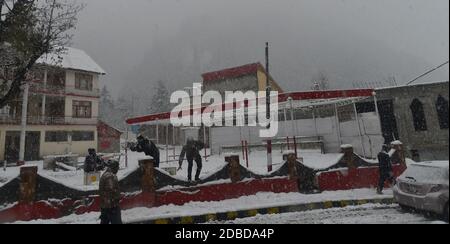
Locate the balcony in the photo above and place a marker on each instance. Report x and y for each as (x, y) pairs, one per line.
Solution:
(40, 88)
(39, 120)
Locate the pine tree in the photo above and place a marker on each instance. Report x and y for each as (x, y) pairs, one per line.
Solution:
(106, 106)
(160, 102)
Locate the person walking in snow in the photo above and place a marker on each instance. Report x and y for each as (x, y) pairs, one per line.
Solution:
(110, 195)
(191, 151)
(385, 166)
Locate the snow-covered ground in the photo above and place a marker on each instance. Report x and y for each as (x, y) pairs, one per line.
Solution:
(260, 200)
(364, 214)
(257, 164)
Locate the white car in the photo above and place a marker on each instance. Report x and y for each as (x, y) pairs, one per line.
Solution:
(424, 186)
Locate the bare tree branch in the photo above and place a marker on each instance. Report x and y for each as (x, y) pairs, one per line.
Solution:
(28, 30)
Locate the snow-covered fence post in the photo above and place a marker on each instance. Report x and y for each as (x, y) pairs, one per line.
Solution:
(234, 167)
(292, 162)
(399, 155)
(148, 181)
(28, 178)
(349, 156)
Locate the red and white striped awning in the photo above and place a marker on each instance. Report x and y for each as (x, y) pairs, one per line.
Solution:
(307, 98)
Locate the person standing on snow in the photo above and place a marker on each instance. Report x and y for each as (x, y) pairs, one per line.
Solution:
(110, 195)
(93, 162)
(191, 151)
(385, 165)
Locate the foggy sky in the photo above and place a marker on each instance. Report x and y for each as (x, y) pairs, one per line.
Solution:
(141, 41)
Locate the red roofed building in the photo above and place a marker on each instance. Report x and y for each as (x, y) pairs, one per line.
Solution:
(250, 77)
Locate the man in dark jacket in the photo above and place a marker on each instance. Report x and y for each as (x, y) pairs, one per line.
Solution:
(110, 195)
(385, 165)
(191, 151)
(93, 162)
(148, 147)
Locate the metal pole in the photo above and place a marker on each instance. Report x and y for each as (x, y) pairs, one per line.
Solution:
(204, 142)
(173, 136)
(315, 121)
(285, 121)
(377, 111)
(24, 122)
(167, 143)
(359, 129)
(126, 147)
(294, 130)
(338, 125)
(157, 134)
(246, 154)
(44, 97)
(268, 90)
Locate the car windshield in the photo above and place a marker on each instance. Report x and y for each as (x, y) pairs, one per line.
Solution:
(426, 174)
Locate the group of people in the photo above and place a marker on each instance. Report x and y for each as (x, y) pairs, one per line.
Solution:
(109, 183)
(109, 190)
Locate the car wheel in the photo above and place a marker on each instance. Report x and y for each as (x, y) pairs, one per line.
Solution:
(405, 208)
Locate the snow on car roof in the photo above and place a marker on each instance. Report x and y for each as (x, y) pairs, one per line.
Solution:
(72, 58)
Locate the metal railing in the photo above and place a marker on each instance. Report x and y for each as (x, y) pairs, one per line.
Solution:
(40, 88)
(51, 120)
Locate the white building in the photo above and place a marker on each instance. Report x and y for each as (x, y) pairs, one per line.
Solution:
(62, 113)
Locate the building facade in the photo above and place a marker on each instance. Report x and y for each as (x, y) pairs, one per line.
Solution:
(62, 109)
(417, 115)
(250, 77)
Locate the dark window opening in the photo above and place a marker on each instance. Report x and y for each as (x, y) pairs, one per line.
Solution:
(56, 136)
(83, 136)
(365, 107)
(442, 111)
(418, 113)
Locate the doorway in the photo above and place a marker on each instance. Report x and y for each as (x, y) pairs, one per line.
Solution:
(32, 146)
(388, 121)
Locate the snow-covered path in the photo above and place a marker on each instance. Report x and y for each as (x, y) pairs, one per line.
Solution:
(260, 200)
(365, 214)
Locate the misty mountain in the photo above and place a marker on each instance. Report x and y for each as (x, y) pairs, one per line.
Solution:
(206, 44)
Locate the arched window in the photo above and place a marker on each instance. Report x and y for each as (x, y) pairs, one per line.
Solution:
(418, 114)
(442, 111)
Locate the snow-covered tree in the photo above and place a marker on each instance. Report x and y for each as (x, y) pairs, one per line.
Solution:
(106, 106)
(161, 100)
(28, 30)
(120, 113)
(320, 82)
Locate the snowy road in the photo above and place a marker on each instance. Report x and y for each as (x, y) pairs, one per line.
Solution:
(365, 214)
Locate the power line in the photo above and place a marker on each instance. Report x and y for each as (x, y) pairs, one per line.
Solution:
(428, 72)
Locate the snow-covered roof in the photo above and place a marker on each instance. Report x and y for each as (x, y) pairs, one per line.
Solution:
(72, 58)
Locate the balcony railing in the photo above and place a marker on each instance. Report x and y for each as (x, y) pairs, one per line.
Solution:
(39, 88)
(39, 120)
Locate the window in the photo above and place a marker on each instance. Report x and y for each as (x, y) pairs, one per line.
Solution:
(82, 109)
(56, 136)
(442, 111)
(420, 122)
(83, 82)
(83, 136)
